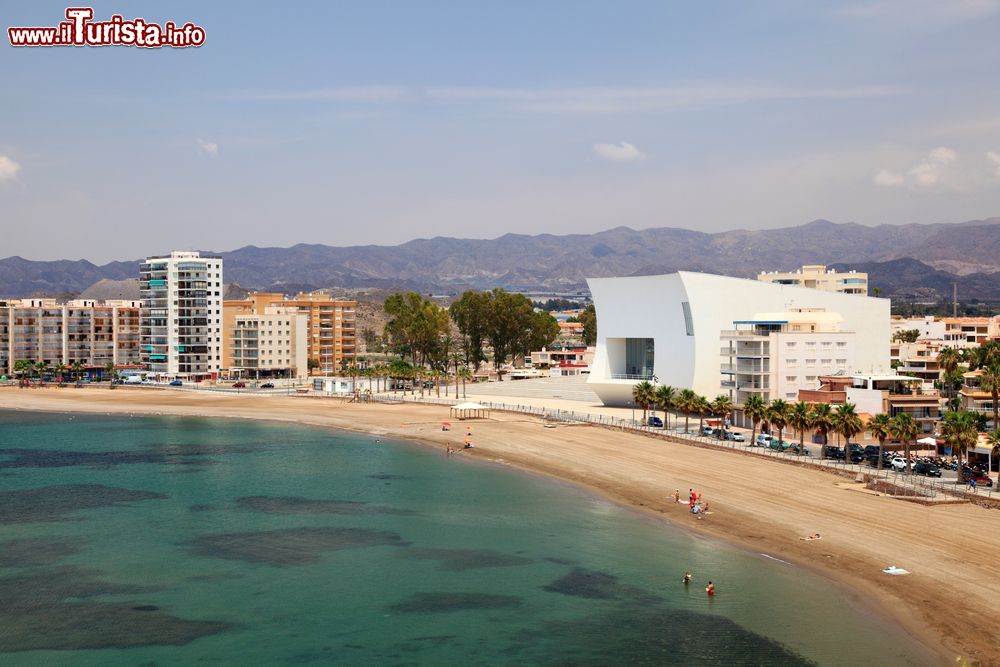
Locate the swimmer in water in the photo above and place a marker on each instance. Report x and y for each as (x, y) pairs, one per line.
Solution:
(710, 589)
(687, 578)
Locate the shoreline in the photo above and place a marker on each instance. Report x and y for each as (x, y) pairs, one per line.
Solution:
(639, 473)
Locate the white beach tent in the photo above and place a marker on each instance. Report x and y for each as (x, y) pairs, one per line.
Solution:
(469, 410)
(928, 443)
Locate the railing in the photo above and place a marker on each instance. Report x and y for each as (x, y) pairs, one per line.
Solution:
(631, 376)
(887, 480)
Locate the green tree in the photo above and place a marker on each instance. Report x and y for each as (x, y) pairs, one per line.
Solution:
(880, 426)
(466, 374)
(800, 418)
(61, 369)
(847, 422)
(41, 367)
(415, 327)
(989, 380)
(703, 407)
(755, 409)
(471, 314)
(643, 394)
(905, 430)
(948, 359)
(722, 407)
(589, 319)
(906, 336)
(23, 367)
(823, 420)
(960, 431)
(77, 369)
(109, 370)
(664, 399)
(777, 415)
(687, 403)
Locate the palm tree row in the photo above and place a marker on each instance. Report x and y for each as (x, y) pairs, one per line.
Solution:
(819, 417)
(646, 396)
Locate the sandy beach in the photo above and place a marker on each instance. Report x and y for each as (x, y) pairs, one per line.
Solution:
(950, 601)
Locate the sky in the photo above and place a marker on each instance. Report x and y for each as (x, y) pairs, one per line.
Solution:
(374, 122)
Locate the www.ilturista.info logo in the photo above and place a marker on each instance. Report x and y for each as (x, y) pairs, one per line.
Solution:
(80, 30)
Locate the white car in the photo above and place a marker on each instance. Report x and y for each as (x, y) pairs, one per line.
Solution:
(899, 464)
(734, 436)
(763, 440)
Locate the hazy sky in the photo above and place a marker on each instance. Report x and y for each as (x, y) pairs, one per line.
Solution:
(377, 122)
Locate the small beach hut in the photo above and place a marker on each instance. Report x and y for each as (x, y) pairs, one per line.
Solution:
(469, 410)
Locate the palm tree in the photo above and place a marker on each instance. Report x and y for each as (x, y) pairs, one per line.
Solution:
(948, 359)
(23, 367)
(61, 369)
(722, 407)
(642, 395)
(687, 403)
(777, 416)
(702, 407)
(989, 380)
(960, 431)
(848, 423)
(754, 408)
(77, 368)
(823, 420)
(904, 429)
(466, 374)
(993, 440)
(801, 418)
(41, 367)
(880, 426)
(109, 370)
(664, 399)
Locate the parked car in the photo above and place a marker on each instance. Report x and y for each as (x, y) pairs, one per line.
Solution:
(982, 479)
(655, 421)
(781, 445)
(239, 385)
(857, 454)
(763, 440)
(706, 430)
(267, 385)
(176, 383)
(925, 468)
(898, 464)
(833, 452)
(735, 436)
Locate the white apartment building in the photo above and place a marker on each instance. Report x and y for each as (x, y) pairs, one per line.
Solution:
(182, 314)
(930, 327)
(774, 355)
(670, 327)
(817, 276)
(270, 345)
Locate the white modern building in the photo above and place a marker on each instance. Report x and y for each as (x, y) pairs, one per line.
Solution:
(181, 328)
(670, 328)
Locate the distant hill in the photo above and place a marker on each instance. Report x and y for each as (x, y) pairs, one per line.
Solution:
(909, 279)
(562, 263)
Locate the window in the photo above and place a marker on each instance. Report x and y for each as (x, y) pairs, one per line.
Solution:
(688, 321)
(791, 363)
(827, 343)
(842, 362)
(841, 343)
(791, 378)
(811, 363)
(826, 362)
(810, 378)
(811, 344)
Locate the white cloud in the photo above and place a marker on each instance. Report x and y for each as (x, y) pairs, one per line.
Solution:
(583, 100)
(928, 173)
(8, 169)
(995, 159)
(623, 152)
(888, 178)
(209, 148)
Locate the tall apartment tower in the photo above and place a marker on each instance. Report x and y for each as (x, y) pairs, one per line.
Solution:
(181, 330)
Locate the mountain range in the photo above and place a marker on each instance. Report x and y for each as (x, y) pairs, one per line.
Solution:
(902, 260)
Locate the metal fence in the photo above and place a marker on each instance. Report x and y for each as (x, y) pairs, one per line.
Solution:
(886, 481)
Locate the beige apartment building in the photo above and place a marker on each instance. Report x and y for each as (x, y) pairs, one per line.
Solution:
(817, 276)
(269, 345)
(330, 326)
(83, 331)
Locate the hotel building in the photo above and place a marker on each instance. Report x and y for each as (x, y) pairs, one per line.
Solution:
(817, 276)
(670, 328)
(330, 327)
(91, 333)
(182, 314)
(268, 345)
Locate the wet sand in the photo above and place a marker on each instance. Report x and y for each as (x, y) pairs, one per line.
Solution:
(950, 602)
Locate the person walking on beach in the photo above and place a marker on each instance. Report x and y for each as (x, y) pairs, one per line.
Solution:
(677, 495)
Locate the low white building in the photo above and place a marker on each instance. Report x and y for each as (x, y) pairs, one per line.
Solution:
(668, 328)
(270, 345)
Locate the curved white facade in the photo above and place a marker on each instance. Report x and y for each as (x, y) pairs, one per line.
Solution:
(687, 338)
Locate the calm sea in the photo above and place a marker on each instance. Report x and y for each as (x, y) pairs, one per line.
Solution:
(178, 541)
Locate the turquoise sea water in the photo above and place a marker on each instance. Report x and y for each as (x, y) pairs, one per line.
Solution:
(177, 541)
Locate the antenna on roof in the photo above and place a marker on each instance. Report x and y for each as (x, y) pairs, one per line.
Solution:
(954, 299)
